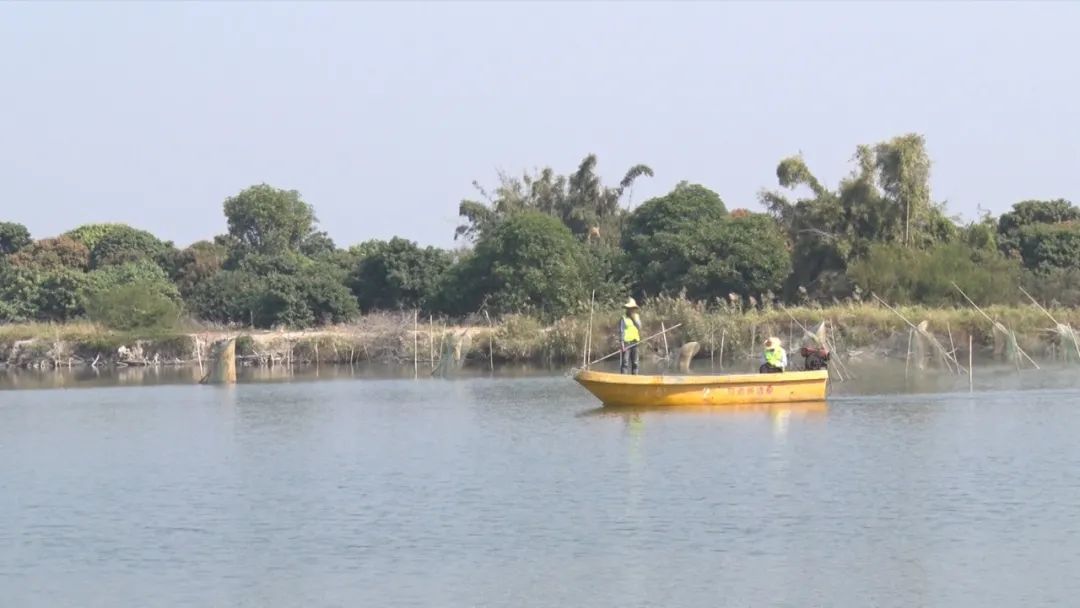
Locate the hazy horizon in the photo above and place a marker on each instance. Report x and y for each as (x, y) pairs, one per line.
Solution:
(382, 115)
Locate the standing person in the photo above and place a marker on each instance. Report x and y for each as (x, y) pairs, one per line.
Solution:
(629, 336)
(775, 357)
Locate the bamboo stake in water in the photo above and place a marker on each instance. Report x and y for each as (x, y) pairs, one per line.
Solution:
(723, 334)
(491, 342)
(415, 343)
(971, 366)
(667, 353)
(431, 339)
(907, 357)
(952, 345)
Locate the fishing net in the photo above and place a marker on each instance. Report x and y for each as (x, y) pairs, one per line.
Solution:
(1070, 344)
(1005, 346)
(925, 348)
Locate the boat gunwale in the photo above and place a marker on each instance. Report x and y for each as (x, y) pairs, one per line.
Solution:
(597, 377)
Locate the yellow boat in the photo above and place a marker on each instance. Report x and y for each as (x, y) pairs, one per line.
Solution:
(745, 389)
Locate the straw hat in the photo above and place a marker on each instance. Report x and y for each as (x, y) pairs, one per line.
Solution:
(630, 303)
(772, 343)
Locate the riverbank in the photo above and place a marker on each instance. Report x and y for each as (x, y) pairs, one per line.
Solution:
(725, 334)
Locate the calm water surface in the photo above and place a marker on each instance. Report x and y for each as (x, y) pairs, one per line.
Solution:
(519, 492)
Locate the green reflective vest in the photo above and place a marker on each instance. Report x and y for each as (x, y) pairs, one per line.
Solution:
(630, 331)
(775, 357)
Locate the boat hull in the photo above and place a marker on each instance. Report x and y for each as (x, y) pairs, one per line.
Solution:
(745, 389)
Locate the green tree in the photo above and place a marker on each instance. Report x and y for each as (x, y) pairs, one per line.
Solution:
(746, 255)
(137, 305)
(144, 272)
(317, 244)
(316, 297)
(579, 200)
(197, 263)
(885, 199)
(275, 290)
(226, 297)
(1043, 247)
(121, 244)
(398, 274)
(529, 263)
(90, 234)
(13, 237)
(266, 220)
(61, 295)
(1030, 212)
(686, 240)
(1021, 230)
(19, 289)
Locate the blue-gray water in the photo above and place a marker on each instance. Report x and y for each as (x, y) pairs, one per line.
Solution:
(518, 492)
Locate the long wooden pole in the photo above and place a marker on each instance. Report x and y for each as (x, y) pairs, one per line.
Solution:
(656, 335)
(723, 335)
(415, 342)
(431, 340)
(588, 336)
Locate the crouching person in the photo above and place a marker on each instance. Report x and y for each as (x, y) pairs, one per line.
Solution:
(775, 357)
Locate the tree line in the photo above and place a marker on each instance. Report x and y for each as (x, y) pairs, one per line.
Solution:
(545, 244)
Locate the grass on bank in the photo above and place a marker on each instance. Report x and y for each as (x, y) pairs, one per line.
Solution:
(389, 337)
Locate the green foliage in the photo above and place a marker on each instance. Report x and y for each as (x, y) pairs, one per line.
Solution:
(686, 241)
(1054, 286)
(61, 295)
(398, 274)
(90, 234)
(271, 291)
(225, 297)
(122, 244)
(925, 276)
(1041, 233)
(266, 220)
(1030, 212)
(13, 237)
(885, 199)
(136, 305)
(19, 289)
(1043, 247)
(579, 200)
(528, 263)
(542, 243)
(746, 255)
(317, 245)
(196, 264)
(53, 254)
(144, 272)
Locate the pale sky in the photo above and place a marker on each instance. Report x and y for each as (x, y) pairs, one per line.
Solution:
(382, 115)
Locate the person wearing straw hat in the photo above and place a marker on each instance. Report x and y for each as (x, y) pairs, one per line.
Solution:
(775, 357)
(629, 336)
